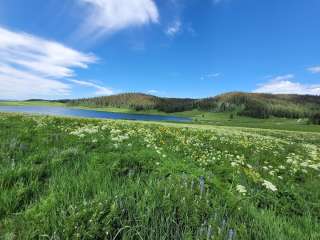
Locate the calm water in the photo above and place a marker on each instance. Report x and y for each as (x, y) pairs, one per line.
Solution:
(63, 111)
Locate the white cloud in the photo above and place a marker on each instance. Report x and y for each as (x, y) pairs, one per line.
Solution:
(17, 84)
(100, 90)
(282, 78)
(174, 28)
(157, 93)
(32, 67)
(105, 16)
(286, 85)
(152, 91)
(210, 76)
(315, 69)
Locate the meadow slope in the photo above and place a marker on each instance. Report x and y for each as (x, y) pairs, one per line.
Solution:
(64, 178)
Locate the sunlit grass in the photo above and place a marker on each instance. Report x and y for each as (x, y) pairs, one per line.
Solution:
(64, 178)
(31, 103)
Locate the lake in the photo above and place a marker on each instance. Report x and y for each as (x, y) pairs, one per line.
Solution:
(64, 111)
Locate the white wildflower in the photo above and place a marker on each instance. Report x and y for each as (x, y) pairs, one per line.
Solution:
(241, 189)
(249, 166)
(268, 185)
(234, 164)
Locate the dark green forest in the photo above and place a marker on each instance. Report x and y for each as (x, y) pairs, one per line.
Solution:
(138, 102)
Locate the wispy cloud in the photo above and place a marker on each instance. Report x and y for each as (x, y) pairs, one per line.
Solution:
(21, 84)
(32, 67)
(286, 85)
(107, 16)
(157, 93)
(174, 28)
(152, 91)
(314, 69)
(281, 78)
(100, 90)
(210, 76)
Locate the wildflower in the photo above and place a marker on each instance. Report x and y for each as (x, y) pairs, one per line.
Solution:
(249, 166)
(315, 166)
(241, 189)
(234, 164)
(268, 185)
(271, 173)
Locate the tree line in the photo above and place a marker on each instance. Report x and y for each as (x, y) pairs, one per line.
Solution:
(244, 104)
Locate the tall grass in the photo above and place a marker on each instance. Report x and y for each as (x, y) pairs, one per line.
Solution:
(85, 179)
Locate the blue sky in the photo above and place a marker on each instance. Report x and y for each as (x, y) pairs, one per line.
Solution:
(177, 48)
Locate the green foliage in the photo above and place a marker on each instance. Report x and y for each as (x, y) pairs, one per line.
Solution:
(63, 178)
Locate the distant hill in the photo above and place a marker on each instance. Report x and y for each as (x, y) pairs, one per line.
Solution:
(263, 105)
(257, 105)
(43, 100)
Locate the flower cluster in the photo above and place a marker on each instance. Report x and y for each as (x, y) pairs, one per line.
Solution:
(259, 157)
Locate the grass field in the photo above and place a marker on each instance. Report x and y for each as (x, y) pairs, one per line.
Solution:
(68, 178)
(31, 103)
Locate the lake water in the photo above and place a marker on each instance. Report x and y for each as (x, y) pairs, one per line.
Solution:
(64, 111)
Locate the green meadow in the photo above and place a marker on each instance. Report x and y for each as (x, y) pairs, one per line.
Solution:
(72, 178)
(31, 103)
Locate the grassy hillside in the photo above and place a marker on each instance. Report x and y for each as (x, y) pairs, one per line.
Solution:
(67, 178)
(246, 104)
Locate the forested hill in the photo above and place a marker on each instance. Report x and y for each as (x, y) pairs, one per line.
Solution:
(137, 101)
(263, 105)
(249, 104)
